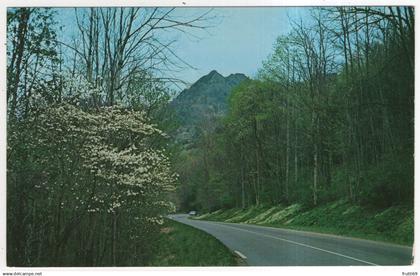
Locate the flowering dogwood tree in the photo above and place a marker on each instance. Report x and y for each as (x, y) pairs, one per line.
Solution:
(97, 170)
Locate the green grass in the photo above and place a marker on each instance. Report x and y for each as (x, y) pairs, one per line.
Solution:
(394, 224)
(183, 245)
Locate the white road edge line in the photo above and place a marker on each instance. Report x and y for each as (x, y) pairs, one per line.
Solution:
(240, 254)
(304, 245)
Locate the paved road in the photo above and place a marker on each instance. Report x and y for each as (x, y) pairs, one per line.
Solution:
(282, 247)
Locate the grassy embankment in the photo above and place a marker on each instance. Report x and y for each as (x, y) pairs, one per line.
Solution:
(183, 245)
(394, 224)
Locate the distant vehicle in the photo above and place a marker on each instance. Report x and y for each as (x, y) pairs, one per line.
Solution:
(192, 213)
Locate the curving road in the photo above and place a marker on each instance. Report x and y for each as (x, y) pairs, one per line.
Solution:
(261, 246)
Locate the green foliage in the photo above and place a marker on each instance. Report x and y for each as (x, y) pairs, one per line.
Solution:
(389, 183)
(354, 220)
(393, 224)
(182, 245)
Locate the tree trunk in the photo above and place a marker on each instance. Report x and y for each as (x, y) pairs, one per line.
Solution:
(287, 154)
(114, 239)
(15, 69)
(315, 175)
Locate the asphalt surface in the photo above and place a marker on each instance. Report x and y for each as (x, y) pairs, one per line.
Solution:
(268, 246)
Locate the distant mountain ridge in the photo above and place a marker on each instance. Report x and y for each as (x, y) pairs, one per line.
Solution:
(205, 100)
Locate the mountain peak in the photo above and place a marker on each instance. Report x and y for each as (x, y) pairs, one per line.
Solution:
(212, 76)
(235, 75)
(213, 72)
(206, 98)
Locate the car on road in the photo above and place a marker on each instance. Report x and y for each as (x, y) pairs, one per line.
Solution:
(192, 213)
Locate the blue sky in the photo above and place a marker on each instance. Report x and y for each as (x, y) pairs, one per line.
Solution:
(241, 40)
(238, 41)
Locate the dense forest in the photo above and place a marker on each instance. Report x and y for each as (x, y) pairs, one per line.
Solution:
(330, 116)
(94, 158)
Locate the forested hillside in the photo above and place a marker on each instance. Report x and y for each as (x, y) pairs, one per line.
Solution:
(202, 103)
(329, 117)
